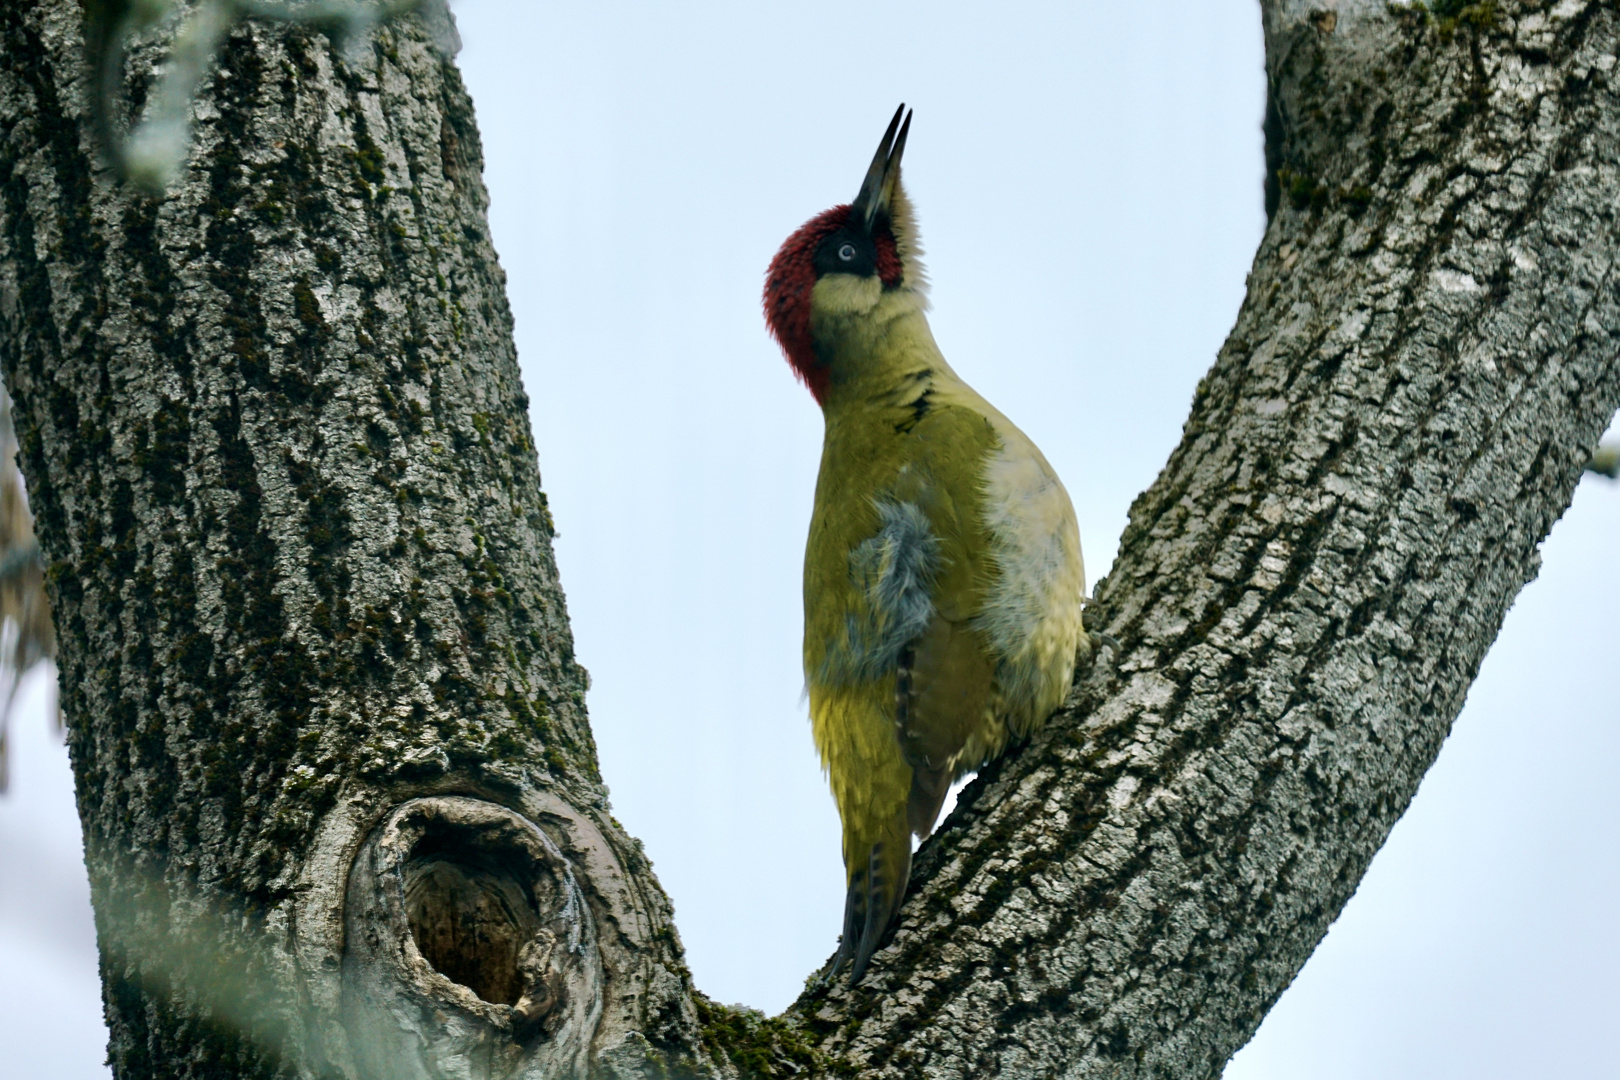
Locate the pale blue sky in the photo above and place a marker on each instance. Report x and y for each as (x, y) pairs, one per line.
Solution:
(1087, 177)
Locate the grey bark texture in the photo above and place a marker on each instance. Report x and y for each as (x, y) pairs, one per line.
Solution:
(326, 723)
(1425, 357)
(280, 458)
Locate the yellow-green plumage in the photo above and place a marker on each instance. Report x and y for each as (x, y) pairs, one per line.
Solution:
(942, 581)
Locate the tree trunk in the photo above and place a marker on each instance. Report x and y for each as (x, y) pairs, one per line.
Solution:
(301, 567)
(340, 799)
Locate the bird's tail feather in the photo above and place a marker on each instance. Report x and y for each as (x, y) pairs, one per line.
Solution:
(928, 790)
(875, 891)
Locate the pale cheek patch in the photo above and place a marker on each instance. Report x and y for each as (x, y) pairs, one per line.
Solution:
(845, 294)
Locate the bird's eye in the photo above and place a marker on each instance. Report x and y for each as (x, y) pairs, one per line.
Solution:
(847, 252)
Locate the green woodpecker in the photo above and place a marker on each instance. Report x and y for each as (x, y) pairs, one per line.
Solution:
(942, 580)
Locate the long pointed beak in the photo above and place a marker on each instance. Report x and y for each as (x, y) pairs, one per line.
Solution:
(878, 188)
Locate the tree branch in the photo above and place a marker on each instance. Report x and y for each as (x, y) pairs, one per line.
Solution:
(302, 573)
(324, 710)
(1605, 461)
(1426, 353)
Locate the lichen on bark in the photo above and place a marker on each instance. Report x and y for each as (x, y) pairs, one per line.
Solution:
(302, 571)
(289, 502)
(1424, 360)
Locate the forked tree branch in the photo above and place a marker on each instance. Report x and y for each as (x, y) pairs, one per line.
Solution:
(341, 806)
(1425, 356)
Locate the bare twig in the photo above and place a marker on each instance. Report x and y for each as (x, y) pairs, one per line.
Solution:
(1605, 461)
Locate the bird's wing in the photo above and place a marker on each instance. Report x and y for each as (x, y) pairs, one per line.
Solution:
(910, 628)
(894, 579)
(946, 690)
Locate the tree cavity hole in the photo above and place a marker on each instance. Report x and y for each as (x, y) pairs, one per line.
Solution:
(471, 904)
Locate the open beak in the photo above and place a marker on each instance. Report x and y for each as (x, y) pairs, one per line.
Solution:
(878, 188)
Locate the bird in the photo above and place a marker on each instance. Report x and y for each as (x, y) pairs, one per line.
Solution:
(943, 578)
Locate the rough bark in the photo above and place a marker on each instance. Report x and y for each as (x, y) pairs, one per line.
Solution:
(1425, 357)
(325, 717)
(301, 565)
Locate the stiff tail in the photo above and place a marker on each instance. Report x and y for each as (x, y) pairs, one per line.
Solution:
(877, 884)
(928, 790)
